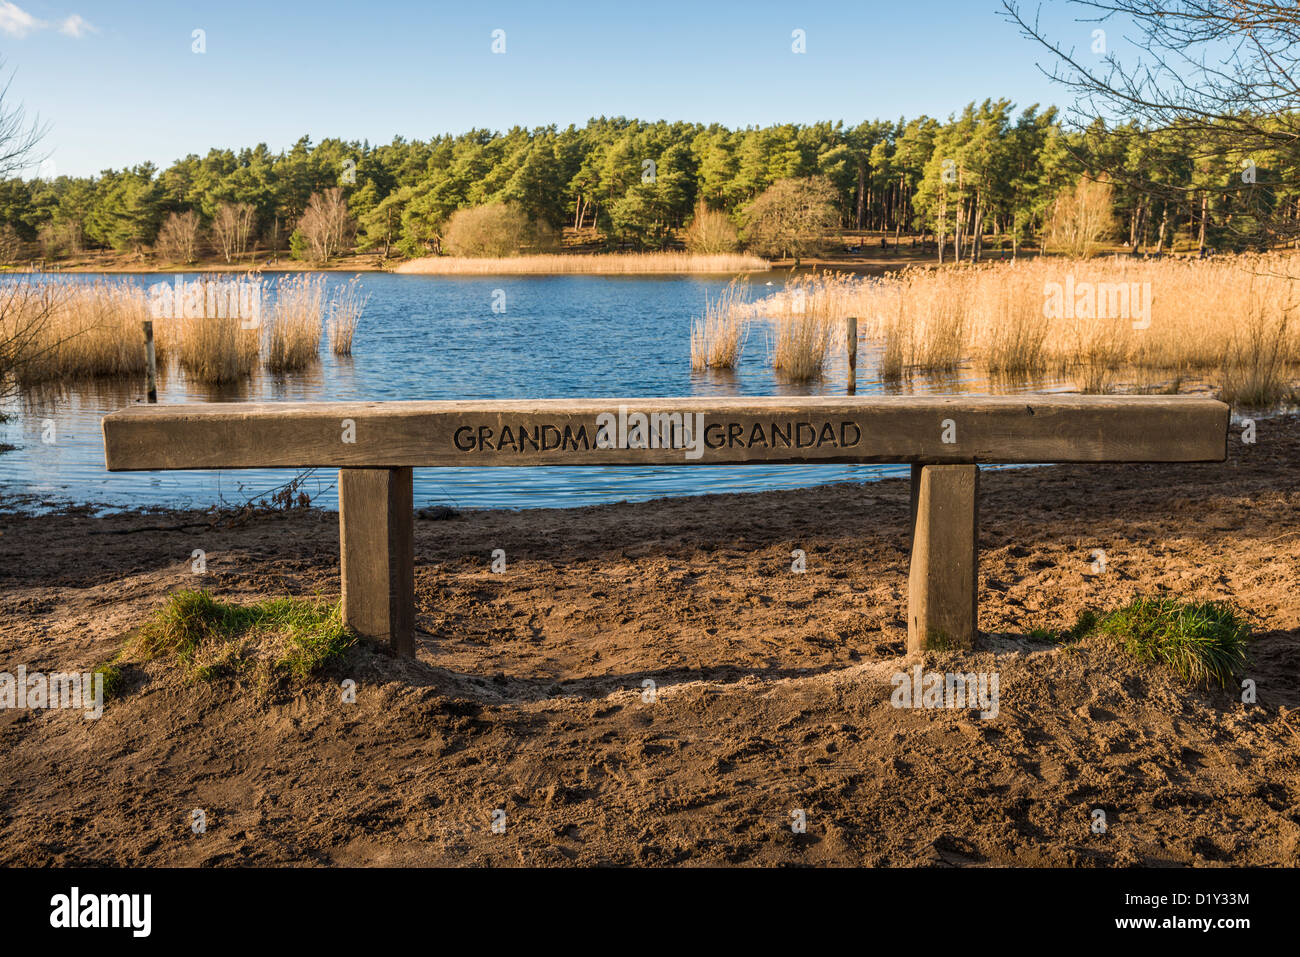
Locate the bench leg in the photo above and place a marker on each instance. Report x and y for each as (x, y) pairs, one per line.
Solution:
(942, 605)
(377, 555)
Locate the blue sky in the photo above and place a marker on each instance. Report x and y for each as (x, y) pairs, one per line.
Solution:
(119, 83)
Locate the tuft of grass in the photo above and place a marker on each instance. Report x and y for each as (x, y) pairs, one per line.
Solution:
(1201, 642)
(282, 637)
(1083, 626)
(114, 680)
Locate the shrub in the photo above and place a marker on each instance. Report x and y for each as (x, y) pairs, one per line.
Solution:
(1081, 218)
(495, 230)
(710, 232)
(791, 217)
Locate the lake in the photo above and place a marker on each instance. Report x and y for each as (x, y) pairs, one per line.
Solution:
(427, 337)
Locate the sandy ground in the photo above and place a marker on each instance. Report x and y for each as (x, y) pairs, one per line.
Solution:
(772, 688)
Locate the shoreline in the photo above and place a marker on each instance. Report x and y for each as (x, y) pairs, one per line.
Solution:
(589, 263)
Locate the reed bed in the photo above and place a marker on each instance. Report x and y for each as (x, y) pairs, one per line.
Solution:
(51, 331)
(216, 347)
(804, 319)
(214, 350)
(597, 263)
(1226, 318)
(346, 306)
(293, 331)
(718, 339)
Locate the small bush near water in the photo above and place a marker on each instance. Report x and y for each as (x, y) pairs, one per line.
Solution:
(494, 230)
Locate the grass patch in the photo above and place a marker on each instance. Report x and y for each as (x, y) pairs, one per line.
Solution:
(1203, 643)
(279, 638)
(1086, 623)
(114, 679)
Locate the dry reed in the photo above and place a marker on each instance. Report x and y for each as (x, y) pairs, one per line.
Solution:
(212, 349)
(52, 331)
(346, 306)
(599, 263)
(293, 331)
(803, 324)
(718, 339)
(1227, 317)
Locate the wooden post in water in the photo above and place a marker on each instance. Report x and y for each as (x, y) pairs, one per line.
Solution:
(851, 324)
(151, 358)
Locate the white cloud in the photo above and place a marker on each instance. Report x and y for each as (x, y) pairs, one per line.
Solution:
(17, 22)
(76, 26)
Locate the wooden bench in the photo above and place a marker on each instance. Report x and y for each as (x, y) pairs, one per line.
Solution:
(374, 445)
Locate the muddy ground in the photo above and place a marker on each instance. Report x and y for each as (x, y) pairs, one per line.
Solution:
(771, 689)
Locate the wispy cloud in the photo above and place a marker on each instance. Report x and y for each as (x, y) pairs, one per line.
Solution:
(17, 22)
(76, 26)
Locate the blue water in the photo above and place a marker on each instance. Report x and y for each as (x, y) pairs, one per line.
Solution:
(425, 337)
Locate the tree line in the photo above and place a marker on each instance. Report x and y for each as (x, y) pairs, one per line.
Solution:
(986, 171)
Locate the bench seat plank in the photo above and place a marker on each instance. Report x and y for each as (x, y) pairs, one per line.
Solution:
(868, 429)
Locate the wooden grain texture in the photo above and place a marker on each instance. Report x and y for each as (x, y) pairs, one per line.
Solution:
(377, 555)
(942, 601)
(937, 429)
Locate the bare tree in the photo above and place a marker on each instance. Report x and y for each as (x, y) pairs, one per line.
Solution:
(59, 239)
(1081, 217)
(231, 227)
(18, 137)
(1222, 76)
(24, 308)
(178, 239)
(11, 244)
(326, 225)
